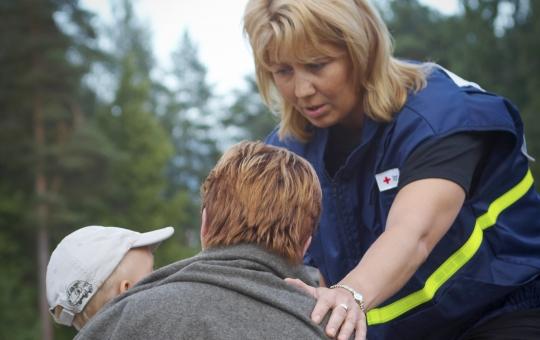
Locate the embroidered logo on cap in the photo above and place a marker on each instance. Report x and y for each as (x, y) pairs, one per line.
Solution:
(78, 291)
(388, 179)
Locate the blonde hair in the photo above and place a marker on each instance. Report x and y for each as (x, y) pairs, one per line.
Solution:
(302, 28)
(108, 290)
(263, 195)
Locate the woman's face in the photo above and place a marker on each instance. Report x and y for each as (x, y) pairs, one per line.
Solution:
(322, 90)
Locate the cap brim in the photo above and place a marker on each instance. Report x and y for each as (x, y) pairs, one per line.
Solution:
(153, 237)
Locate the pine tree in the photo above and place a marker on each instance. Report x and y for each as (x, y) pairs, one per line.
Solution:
(47, 44)
(189, 120)
(248, 117)
(522, 67)
(135, 187)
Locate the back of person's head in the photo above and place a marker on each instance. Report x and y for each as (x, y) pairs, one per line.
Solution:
(303, 30)
(94, 264)
(263, 195)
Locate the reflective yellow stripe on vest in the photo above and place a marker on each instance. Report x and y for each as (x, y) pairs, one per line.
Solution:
(455, 261)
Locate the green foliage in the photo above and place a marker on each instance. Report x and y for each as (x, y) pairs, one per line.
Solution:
(17, 295)
(101, 163)
(41, 67)
(142, 149)
(420, 33)
(188, 119)
(502, 59)
(522, 80)
(249, 115)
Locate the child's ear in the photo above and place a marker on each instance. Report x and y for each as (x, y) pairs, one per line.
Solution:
(124, 286)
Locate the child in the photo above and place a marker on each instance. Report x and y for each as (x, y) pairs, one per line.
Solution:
(94, 264)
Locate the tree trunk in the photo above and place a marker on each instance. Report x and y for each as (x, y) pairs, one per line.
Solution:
(43, 258)
(42, 217)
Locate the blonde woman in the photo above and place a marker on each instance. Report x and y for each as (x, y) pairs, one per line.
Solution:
(430, 224)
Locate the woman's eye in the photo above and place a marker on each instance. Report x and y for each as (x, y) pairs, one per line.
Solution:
(316, 66)
(283, 71)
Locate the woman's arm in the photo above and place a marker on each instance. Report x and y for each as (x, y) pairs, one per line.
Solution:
(421, 214)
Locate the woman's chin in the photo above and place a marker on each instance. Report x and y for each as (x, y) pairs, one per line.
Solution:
(321, 123)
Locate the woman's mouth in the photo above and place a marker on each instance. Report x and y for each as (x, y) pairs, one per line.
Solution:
(314, 111)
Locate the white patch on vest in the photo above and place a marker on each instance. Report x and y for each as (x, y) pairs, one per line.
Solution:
(460, 81)
(524, 150)
(388, 179)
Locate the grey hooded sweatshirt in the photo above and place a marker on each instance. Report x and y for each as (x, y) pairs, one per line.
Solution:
(234, 292)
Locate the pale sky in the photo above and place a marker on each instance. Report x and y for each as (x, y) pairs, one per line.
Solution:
(216, 28)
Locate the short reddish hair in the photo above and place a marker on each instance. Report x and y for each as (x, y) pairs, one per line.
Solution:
(264, 195)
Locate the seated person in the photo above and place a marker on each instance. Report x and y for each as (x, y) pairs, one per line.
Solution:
(94, 264)
(260, 205)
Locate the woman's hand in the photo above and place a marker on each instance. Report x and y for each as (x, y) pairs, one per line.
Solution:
(346, 315)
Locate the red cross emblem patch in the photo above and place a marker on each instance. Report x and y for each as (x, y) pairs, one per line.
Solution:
(388, 179)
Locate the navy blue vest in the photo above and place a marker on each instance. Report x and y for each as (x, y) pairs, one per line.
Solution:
(492, 250)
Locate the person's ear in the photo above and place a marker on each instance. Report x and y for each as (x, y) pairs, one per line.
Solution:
(306, 245)
(124, 286)
(204, 228)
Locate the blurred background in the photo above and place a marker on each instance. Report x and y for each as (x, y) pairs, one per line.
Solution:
(97, 129)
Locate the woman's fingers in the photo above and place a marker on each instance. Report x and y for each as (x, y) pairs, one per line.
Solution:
(324, 296)
(350, 323)
(361, 327)
(323, 305)
(343, 321)
(302, 286)
(339, 319)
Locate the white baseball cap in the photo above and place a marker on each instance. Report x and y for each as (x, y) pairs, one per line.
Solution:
(84, 259)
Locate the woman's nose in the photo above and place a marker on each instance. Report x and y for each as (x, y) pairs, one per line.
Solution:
(303, 87)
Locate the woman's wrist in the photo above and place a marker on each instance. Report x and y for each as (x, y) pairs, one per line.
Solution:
(357, 296)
